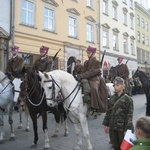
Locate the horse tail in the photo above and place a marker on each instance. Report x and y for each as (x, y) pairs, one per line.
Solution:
(62, 112)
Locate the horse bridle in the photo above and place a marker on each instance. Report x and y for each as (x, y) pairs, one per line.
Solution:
(54, 95)
(2, 91)
(31, 92)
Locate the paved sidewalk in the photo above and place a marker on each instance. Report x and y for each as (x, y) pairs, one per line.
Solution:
(99, 140)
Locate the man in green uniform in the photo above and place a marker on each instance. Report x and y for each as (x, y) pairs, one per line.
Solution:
(119, 114)
(15, 64)
(43, 63)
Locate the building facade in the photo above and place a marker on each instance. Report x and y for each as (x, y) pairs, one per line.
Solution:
(69, 25)
(142, 16)
(117, 33)
(5, 32)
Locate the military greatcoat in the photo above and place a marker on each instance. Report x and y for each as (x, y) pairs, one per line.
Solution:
(43, 64)
(123, 72)
(15, 66)
(91, 72)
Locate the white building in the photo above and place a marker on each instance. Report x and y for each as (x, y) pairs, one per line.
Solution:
(117, 33)
(143, 3)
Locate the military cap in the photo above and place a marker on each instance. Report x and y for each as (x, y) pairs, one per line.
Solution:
(44, 49)
(91, 49)
(120, 58)
(118, 80)
(14, 48)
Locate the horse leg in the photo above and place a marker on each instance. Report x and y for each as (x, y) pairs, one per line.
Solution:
(20, 117)
(1, 127)
(27, 117)
(84, 125)
(79, 138)
(45, 129)
(148, 105)
(10, 113)
(34, 121)
(56, 130)
(66, 128)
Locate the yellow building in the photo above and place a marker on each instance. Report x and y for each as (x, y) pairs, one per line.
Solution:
(69, 25)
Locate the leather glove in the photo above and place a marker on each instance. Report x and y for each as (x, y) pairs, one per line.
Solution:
(78, 77)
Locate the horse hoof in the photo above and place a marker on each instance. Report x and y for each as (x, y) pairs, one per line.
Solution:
(27, 130)
(2, 142)
(78, 148)
(66, 134)
(33, 146)
(19, 127)
(12, 139)
(54, 135)
(46, 148)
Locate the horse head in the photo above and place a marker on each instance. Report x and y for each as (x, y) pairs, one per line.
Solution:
(51, 85)
(112, 73)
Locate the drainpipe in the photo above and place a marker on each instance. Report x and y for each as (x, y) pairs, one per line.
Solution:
(13, 21)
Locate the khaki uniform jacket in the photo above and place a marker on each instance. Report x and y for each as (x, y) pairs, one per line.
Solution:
(15, 66)
(91, 72)
(43, 65)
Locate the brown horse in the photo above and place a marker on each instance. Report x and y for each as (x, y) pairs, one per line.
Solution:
(34, 95)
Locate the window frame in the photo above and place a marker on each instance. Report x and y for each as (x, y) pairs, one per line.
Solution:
(27, 11)
(91, 33)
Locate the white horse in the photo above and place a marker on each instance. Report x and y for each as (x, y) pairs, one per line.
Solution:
(110, 88)
(6, 103)
(17, 82)
(61, 81)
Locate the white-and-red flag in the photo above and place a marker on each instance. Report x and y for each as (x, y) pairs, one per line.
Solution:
(126, 143)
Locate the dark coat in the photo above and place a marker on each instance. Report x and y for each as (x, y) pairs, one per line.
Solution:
(43, 65)
(123, 72)
(78, 69)
(15, 66)
(91, 72)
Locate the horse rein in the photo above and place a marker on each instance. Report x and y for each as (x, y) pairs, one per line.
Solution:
(2, 91)
(31, 92)
(53, 91)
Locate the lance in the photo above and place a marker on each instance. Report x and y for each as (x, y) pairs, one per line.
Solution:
(53, 59)
(101, 63)
(127, 60)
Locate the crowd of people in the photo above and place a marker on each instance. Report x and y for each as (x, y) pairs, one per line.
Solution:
(119, 109)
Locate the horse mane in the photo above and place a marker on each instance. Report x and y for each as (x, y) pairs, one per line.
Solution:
(2, 75)
(64, 76)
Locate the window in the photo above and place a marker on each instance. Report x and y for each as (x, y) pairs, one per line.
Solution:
(138, 20)
(115, 41)
(125, 45)
(105, 38)
(49, 20)
(27, 13)
(138, 36)
(105, 7)
(89, 32)
(72, 27)
(143, 39)
(131, 4)
(132, 47)
(147, 40)
(115, 12)
(89, 3)
(124, 18)
(142, 22)
(146, 25)
(131, 22)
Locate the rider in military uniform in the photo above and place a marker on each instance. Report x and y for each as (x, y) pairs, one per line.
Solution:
(119, 115)
(123, 72)
(44, 62)
(15, 64)
(91, 74)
